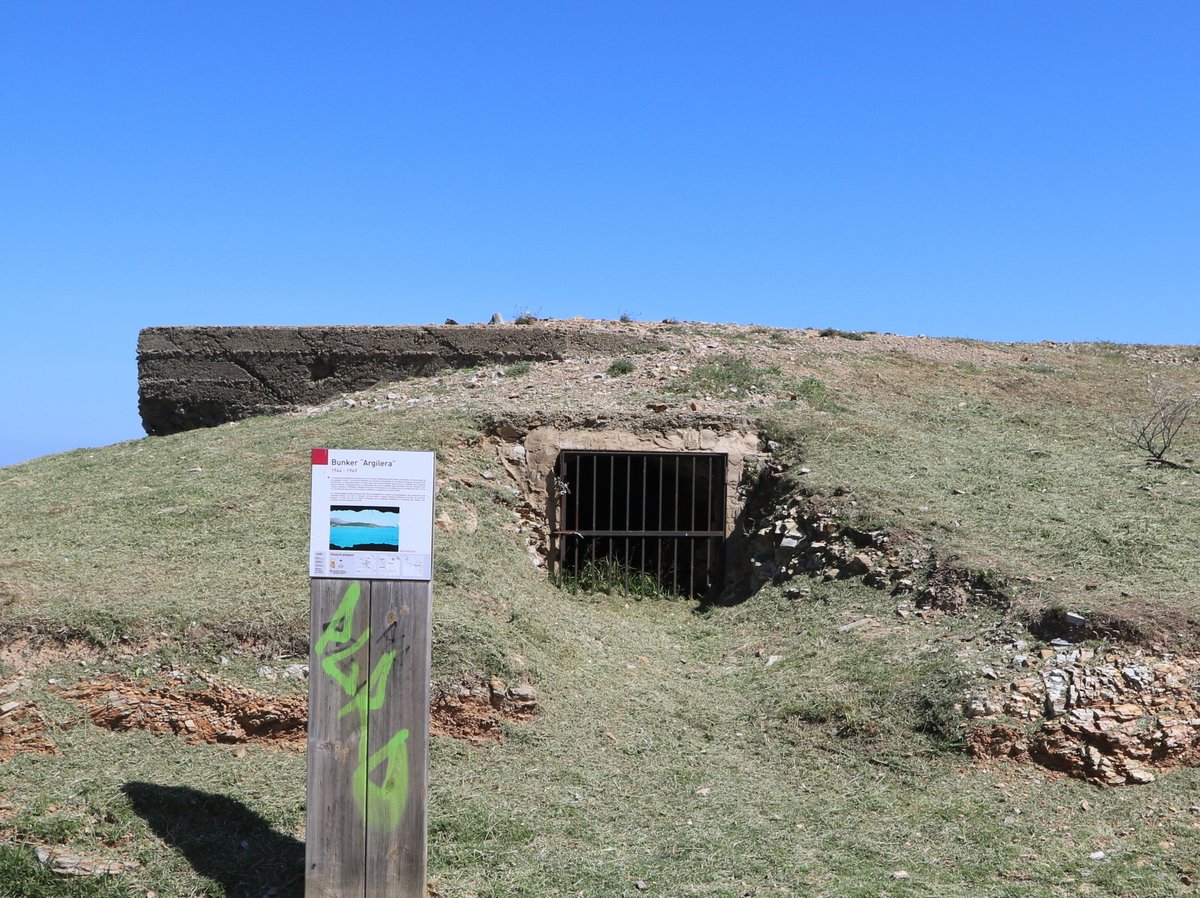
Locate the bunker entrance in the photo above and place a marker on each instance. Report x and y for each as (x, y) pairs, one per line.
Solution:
(641, 518)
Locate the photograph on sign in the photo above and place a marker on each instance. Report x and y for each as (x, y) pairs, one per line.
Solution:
(364, 528)
(372, 514)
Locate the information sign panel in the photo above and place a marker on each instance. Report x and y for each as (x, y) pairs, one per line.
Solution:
(372, 514)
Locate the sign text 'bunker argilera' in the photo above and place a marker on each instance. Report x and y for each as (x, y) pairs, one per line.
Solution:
(372, 514)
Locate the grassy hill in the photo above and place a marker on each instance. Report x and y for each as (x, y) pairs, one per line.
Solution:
(810, 739)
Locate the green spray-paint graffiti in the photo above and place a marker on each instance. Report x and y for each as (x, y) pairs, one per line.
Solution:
(381, 803)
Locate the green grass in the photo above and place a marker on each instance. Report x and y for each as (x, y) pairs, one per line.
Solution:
(736, 376)
(619, 367)
(717, 751)
(611, 578)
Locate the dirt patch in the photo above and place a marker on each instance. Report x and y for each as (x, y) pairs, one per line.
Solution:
(220, 713)
(1132, 621)
(476, 710)
(953, 589)
(1111, 719)
(22, 730)
(997, 741)
(29, 652)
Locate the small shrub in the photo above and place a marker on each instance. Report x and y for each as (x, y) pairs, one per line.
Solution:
(626, 318)
(1155, 428)
(619, 367)
(845, 335)
(517, 369)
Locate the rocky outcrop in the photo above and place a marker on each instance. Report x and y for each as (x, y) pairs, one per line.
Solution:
(1107, 717)
(806, 534)
(191, 377)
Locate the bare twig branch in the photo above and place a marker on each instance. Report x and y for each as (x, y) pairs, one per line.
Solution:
(1154, 430)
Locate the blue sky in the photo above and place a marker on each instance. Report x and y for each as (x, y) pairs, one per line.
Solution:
(1001, 170)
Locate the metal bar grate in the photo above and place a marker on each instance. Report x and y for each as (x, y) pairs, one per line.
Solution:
(625, 515)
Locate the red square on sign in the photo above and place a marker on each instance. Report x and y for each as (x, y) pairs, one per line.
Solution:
(320, 456)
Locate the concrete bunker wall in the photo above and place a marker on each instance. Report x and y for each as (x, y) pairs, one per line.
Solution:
(191, 377)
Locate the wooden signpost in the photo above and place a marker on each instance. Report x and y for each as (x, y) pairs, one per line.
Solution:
(371, 562)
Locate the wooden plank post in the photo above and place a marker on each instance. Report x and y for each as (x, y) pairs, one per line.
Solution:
(338, 662)
(398, 741)
(369, 663)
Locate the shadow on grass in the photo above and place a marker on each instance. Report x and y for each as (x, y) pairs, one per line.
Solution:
(222, 839)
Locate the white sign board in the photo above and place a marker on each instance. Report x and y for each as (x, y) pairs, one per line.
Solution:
(372, 515)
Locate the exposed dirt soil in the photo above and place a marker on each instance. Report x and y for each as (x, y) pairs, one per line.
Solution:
(476, 710)
(220, 713)
(22, 730)
(28, 652)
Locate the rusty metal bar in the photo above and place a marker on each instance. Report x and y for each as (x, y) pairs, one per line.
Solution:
(659, 553)
(575, 488)
(628, 492)
(675, 557)
(708, 571)
(645, 474)
(676, 502)
(708, 497)
(612, 492)
(561, 548)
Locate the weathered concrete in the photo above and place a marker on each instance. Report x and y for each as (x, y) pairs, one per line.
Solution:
(544, 444)
(192, 377)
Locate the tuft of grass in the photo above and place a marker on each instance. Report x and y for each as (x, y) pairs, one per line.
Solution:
(610, 577)
(845, 335)
(970, 368)
(518, 369)
(815, 393)
(730, 374)
(620, 367)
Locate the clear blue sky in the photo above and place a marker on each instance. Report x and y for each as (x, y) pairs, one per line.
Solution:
(1002, 170)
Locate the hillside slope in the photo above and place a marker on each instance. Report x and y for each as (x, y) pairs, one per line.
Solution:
(808, 738)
